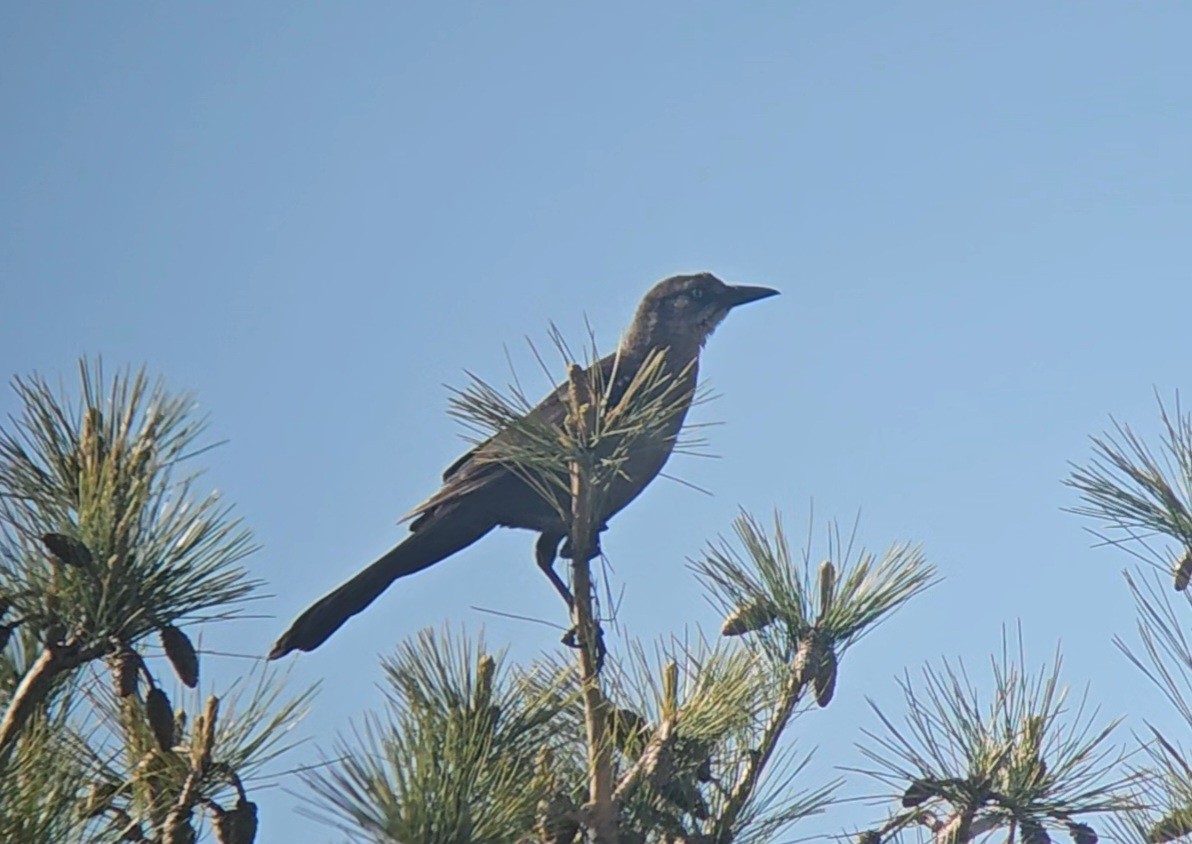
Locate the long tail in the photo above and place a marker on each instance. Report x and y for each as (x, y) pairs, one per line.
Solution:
(418, 551)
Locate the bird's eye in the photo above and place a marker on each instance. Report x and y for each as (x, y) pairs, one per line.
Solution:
(697, 293)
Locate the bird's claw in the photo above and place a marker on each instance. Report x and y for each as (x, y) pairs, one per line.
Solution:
(568, 553)
(571, 640)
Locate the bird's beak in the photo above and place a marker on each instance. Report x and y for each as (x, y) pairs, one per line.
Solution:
(742, 293)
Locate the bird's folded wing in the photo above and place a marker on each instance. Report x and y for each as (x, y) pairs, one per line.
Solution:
(472, 472)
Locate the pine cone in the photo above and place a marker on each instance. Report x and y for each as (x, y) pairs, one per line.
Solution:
(748, 618)
(556, 820)
(181, 654)
(237, 826)
(827, 587)
(824, 678)
(1033, 833)
(68, 551)
(161, 717)
(126, 670)
(1183, 572)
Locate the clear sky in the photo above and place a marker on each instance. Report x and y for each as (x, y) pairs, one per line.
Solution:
(316, 215)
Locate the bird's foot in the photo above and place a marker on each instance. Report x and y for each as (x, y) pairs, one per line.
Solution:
(571, 639)
(568, 553)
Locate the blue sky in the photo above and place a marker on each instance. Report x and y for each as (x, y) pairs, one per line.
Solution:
(316, 215)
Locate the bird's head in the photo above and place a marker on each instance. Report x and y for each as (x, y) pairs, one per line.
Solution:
(682, 311)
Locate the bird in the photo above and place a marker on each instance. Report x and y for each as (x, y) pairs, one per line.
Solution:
(675, 317)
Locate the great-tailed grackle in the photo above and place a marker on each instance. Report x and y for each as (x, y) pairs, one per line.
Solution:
(677, 316)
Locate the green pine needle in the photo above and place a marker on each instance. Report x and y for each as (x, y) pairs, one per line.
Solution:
(103, 469)
(540, 448)
(453, 757)
(1138, 493)
(1029, 754)
(760, 569)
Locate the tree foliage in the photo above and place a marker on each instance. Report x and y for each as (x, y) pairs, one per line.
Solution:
(107, 549)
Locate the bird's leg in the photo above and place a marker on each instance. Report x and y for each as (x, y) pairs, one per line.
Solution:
(544, 552)
(566, 552)
(571, 640)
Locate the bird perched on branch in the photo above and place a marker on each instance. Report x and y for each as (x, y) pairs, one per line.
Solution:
(482, 491)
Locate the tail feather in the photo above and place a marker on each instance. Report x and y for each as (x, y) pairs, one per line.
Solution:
(419, 550)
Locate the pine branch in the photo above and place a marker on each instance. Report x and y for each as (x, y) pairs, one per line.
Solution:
(30, 694)
(601, 809)
(745, 786)
(1140, 494)
(1029, 756)
(802, 619)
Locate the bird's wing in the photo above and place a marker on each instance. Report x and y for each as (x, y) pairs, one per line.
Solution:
(471, 472)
